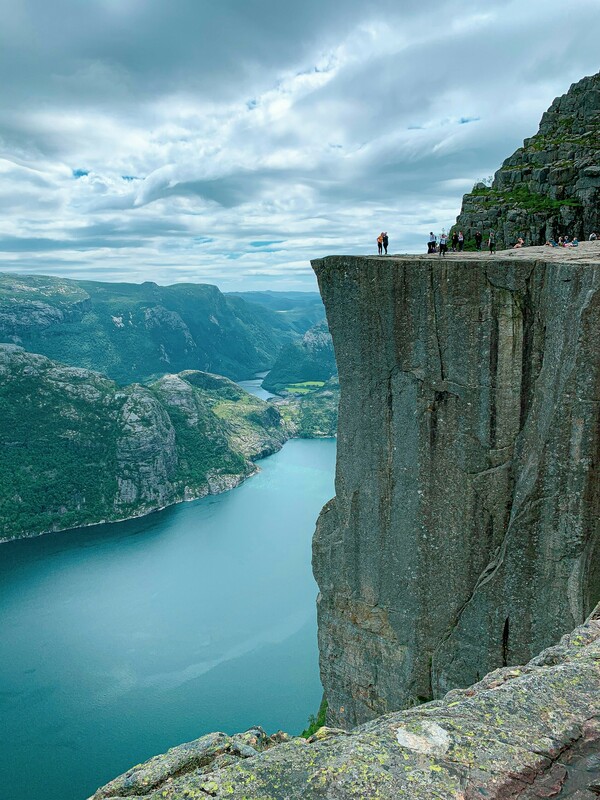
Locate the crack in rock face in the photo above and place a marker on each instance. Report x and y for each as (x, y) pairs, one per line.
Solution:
(433, 741)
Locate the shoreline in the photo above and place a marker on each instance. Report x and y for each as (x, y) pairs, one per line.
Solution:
(200, 496)
(148, 512)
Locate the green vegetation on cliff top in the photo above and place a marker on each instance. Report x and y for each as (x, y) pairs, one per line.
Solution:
(522, 197)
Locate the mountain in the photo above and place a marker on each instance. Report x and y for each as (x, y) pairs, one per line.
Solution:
(301, 310)
(75, 448)
(310, 359)
(550, 187)
(133, 332)
(313, 414)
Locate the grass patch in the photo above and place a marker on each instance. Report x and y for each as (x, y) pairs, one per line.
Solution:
(305, 387)
(523, 197)
(314, 723)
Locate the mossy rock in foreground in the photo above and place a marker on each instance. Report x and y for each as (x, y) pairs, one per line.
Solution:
(498, 739)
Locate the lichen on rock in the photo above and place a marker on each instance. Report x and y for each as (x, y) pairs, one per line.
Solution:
(509, 736)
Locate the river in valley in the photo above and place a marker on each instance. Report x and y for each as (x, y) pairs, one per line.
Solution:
(254, 386)
(121, 640)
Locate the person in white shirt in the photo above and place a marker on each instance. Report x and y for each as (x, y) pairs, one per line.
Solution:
(443, 244)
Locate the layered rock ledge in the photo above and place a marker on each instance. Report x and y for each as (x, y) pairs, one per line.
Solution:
(550, 186)
(515, 734)
(464, 535)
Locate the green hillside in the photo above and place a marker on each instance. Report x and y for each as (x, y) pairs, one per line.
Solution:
(133, 332)
(307, 360)
(75, 448)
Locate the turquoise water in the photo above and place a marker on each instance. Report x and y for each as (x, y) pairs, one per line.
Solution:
(119, 641)
(254, 386)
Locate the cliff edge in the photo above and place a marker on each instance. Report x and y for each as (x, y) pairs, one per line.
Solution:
(464, 535)
(521, 733)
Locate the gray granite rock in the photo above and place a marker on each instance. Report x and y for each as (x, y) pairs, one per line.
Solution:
(464, 534)
(550, 186)
(510, 736)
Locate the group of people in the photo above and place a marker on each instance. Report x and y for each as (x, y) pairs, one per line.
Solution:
(564, 241)
(382, 243)
(457, 242)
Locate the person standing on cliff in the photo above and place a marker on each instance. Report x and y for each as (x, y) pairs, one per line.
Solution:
(386, 241)
(454, 241)
(431, 244)
(492, 242)
(380, 244)
(478, 238)
(443, 244)
(461, 241)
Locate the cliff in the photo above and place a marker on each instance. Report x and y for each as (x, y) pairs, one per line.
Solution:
(77, 449)
(464, 534)
(520, 733)
(550, 186)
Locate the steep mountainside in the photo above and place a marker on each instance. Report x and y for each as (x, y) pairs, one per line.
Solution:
(301, 310)
(310, 359)
(313, 414)
(550, 186)
(77, 449)
(465, 531)
(133, 332)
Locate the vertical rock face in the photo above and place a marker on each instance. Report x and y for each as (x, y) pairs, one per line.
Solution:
(464, 532)
(550, 186)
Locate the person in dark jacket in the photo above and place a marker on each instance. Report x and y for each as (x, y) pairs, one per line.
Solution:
(478, 239)
(454, 241)
(386, 241)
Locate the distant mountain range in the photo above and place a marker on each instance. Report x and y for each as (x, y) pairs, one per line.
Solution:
(134, 332)
(301, 310)
(110, 405)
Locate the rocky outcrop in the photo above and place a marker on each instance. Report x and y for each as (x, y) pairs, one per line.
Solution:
(311, 359)
(464, 534)
(314, 414)
(550, 187)
(519, 733)
(77, 449)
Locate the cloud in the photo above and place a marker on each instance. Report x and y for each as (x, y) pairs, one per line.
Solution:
(232, 142)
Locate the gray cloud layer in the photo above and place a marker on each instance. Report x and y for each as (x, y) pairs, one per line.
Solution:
(230, 142)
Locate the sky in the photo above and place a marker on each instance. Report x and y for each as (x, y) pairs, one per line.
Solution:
(231, 141)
